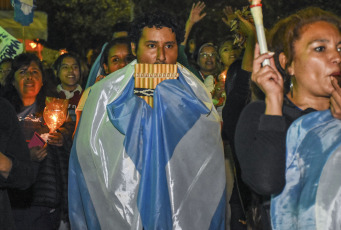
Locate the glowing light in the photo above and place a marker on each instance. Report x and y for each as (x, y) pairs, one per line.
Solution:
(62, 51)
(55, 112)
(33, 45)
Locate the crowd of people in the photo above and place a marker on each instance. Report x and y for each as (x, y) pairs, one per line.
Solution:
(211, 152)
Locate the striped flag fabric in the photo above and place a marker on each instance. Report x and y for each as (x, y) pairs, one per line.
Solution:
(311, 197)
(134, 167)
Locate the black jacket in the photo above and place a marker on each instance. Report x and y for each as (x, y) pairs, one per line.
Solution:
(50, 187)
(13, 145)
(260, 143)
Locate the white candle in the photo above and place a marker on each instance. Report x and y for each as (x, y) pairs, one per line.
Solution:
(256, 11)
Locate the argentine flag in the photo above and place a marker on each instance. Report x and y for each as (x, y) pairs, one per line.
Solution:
(23, 11)
(311, 198)
(134, 167)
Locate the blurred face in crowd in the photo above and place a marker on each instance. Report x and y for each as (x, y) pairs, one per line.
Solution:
(317, 57)
(157, 46)
(5, 68)
(118, 57)
(207, 60)
(69, 73)
(228, 53)
(28, 80)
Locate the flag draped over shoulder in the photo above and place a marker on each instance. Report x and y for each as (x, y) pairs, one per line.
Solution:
(23, 11)
(133, 166)
(311, 198)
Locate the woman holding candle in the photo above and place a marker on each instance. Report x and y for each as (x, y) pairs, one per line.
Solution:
(38, 207)
(307, 49)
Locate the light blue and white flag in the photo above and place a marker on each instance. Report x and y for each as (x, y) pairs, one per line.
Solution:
(23, 11)
(311, 198)
(133, 166)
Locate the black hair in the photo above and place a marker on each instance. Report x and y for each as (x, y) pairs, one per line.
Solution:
(158, 19)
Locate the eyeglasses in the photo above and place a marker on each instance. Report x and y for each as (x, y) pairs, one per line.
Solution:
(5, 71)
(206, 55)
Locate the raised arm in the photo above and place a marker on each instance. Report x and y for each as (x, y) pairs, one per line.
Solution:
(195, 16)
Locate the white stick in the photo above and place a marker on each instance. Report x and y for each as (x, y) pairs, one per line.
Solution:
(258, 18)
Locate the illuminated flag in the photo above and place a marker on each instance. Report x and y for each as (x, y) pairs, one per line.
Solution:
(132, 166)
(23, 11)
(311, 197)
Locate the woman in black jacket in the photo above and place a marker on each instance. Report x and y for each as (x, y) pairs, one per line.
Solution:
(307, 46)
(40, 206)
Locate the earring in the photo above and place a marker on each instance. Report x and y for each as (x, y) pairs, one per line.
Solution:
(291, 86)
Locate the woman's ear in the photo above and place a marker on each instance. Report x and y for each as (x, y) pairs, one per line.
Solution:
(283, 61)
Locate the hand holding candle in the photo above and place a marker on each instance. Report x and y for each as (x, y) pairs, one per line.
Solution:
(256, 11)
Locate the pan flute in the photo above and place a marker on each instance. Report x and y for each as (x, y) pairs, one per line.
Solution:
(148, 76)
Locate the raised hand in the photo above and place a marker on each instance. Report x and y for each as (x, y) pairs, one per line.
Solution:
(195, 15)
(228, 15)
(269, 80)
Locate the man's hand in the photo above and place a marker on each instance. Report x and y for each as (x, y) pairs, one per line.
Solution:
(335, 100)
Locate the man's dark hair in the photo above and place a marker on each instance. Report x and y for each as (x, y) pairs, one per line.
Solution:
(158, 19)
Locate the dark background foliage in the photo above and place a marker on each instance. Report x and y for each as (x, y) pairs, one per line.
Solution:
(79, 25)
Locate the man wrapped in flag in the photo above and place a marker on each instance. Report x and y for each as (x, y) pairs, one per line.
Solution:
(133, 166)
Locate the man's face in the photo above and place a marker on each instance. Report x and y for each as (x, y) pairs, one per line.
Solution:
(157, 46)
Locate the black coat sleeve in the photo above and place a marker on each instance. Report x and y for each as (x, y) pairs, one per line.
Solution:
(260, 148)
(13, 145)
